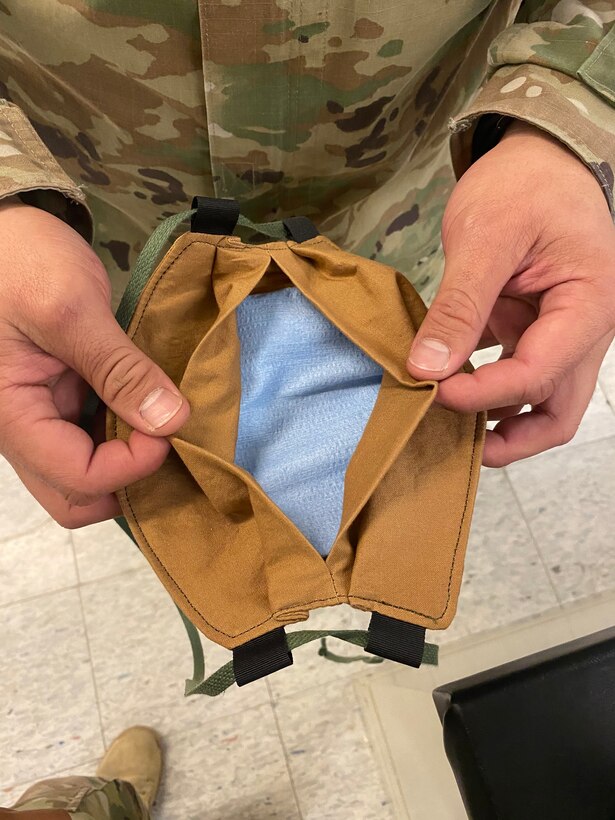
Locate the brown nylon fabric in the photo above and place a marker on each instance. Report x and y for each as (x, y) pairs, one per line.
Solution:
(228, 556)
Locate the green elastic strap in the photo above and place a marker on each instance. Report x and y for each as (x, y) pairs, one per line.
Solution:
(145, 265)
(326, 653)
(224, 677)
(156, 244)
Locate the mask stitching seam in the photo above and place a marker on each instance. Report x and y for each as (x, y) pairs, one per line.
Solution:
(317, 600)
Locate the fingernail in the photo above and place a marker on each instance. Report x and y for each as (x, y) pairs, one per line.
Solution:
(159, 406)
(430, 354)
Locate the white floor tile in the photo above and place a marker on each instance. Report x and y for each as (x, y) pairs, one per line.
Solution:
(504, 578)
(486, 356)
(233, 767)
(39, 562)
(141, 657)
(104, 549)
(567, 498)
(332, 763)
(19, 512)
(49, 719)
(311, 669)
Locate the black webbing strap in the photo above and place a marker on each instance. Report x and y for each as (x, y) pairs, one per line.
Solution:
(220, 217)
(395, 640)
(215, 216)
(261, 656)
(300, 228)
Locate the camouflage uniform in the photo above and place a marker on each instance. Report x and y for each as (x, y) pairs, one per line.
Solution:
(342, 111)
(81, 798)
(359, 114)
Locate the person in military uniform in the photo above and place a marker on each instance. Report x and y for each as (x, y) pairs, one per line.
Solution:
(124, 788)
(470, 145)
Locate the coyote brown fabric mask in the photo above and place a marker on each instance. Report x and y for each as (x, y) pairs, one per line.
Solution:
(313, 470)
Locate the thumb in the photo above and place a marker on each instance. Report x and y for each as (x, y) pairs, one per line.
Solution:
(127, 381)
(455, 322)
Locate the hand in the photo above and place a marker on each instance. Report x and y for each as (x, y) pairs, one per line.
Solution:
(530, 264)
(57, 336)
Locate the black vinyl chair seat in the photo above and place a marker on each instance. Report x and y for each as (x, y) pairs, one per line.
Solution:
(535, 739)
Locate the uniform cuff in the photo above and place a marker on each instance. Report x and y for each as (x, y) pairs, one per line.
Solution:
(29, 170)
(550, 100)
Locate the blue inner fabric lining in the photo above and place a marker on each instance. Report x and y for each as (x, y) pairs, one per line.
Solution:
(307, 393)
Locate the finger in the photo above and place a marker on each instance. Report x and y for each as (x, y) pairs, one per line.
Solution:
(549, 425)
(554, 345)
(65, 457)
(476, 270)
(89, 340)
(66, 514)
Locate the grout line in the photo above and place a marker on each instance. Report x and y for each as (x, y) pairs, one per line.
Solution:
(534, 539)
(15, 536)
(555, 614)
(78, 585)
(378, 755)
(89, 648)
(284, 749)
(556, 451)
(38, 596)
(76, 563)
(351, 676)
(605, 393)
(572, 445)
(104, 578)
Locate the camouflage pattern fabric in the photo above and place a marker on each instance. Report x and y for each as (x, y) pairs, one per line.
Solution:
(85, 798)
(342, 111)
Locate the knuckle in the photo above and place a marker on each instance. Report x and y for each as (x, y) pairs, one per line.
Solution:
(456, 312)
(78, 498)
(538, 391)
(61, 506)
(120, 374)
(58, 510)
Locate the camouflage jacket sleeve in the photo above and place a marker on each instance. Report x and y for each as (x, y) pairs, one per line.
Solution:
(554, 68)
(28, 170)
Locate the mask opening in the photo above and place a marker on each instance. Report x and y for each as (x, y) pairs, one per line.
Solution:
(307, 393)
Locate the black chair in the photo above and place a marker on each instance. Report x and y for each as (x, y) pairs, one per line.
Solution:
(535, 739)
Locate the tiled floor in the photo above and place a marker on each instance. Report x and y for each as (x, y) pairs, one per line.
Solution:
(91, 643)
